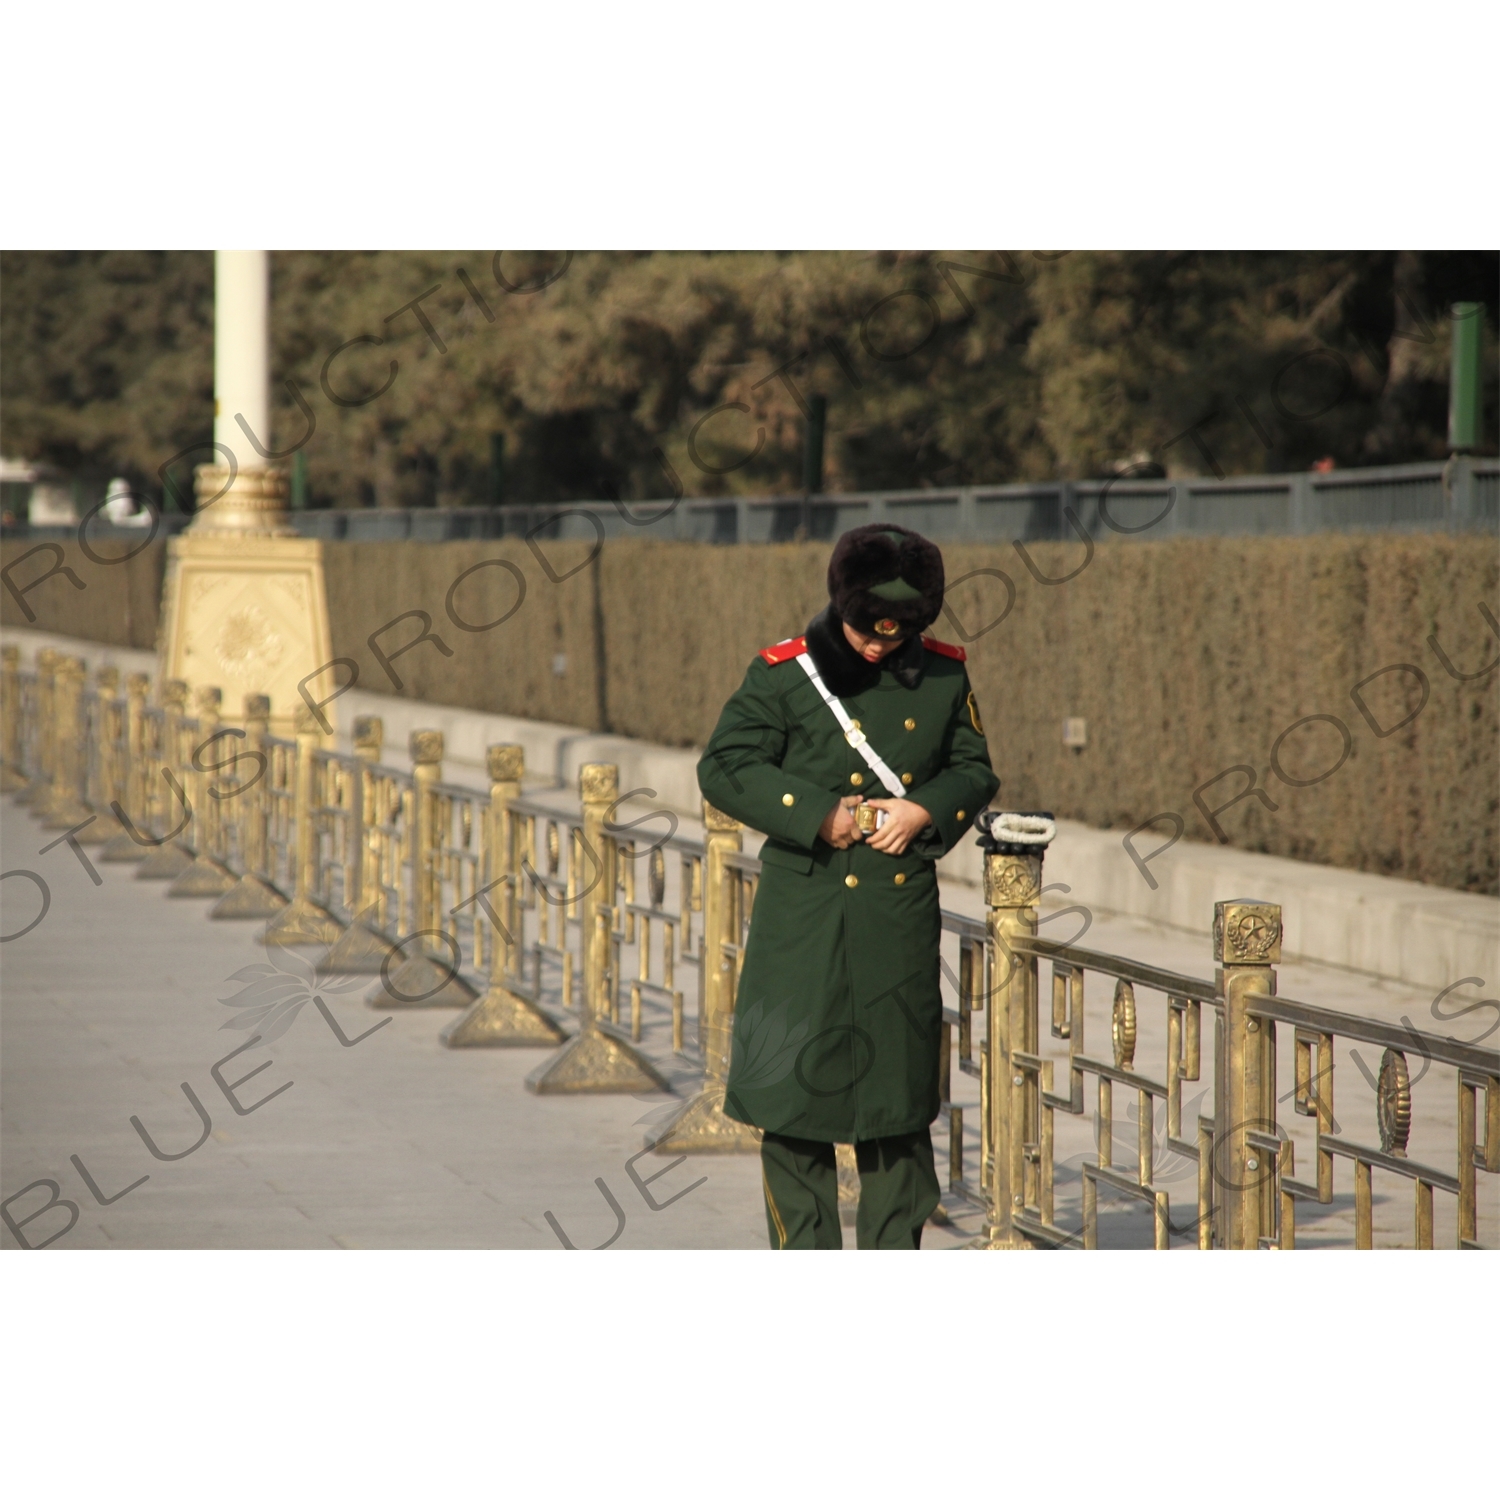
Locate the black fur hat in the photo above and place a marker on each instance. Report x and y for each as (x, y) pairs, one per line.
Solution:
(886, 580)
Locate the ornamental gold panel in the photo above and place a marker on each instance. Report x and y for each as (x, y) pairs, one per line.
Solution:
(248, 613)
(1247, 932)
(1012, 879)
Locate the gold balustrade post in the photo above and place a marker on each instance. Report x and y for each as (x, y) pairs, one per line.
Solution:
(422, 970)
(168, 808)
(1247, 944)
(599, 787)
(363, 948)
(427, 771)
(500, 1018)
(252, 798)
(368, 739)
(12, 777)
(37, 792)
(208, 875)
(66, 808)
(701, 1124)
(252, 896)
(598, 1060)
(122, 848)
(1012, 889)
(104, 778)
(303, 922)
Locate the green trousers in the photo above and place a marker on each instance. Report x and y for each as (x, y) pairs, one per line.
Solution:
(898, 1189)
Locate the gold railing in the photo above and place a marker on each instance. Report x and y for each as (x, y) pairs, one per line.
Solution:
(538, 919)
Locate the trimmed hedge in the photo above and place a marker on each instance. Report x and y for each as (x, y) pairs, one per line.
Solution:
(1186, 658)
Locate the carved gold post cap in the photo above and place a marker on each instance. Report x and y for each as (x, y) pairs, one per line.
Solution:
(257, 706)
(208, 699)
(305, 721)
(107, 680)
(10, 656)
(249, 502)
(426, 747)
(1012, 880)
(505, 762)
(598, 782)
(174, 692)
(719, 822)
(138, 684)
(369, 732)
(47, 657)
(1247, 932)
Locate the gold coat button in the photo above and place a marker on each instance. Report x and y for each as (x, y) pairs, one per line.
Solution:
(854, 723)
(906, 778)
(787, 799)
(911, 723)
(960, 815)
(851, 881)
(856, 778)
(901, 880)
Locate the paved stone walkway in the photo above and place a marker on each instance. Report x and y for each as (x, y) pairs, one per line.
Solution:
(364, 1134)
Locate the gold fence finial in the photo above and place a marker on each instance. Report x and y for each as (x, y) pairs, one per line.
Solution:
(505, 762)
(368, 737)
(426, 747)
(719, 822)
(598, 782)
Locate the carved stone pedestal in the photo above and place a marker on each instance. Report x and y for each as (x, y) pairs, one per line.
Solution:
(244, 604)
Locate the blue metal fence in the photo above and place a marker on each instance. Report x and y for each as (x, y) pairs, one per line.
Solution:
(1461, 495)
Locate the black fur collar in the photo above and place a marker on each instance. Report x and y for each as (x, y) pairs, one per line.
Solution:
(846, 672)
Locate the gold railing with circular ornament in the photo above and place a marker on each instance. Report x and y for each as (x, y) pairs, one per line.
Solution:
(558, 924)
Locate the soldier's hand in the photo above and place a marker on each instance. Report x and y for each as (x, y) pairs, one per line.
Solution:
(903, 822)
(839, 827)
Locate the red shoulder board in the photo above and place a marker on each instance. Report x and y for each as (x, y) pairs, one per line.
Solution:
(785, 650)
(944, 649)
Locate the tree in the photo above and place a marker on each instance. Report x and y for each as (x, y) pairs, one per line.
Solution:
(631, 373)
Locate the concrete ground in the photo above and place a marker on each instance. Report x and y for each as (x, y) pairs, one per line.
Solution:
(111, 1011)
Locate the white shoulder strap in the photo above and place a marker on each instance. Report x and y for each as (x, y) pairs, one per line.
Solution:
(856, 737)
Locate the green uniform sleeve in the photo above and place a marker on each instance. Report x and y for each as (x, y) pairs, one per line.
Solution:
(740, 772)
(963, 788)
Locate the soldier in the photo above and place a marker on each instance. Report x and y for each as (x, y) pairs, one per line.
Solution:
(858, 750)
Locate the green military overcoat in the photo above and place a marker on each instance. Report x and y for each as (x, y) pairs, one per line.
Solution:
(838, 1018)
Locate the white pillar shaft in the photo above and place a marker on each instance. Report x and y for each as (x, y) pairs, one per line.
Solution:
(242, 353)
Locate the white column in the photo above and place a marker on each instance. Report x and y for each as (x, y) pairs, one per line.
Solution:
(242, 352)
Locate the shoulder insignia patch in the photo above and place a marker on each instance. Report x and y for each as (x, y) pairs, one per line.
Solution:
(784, 650)
(944, 649)
(974, 714)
